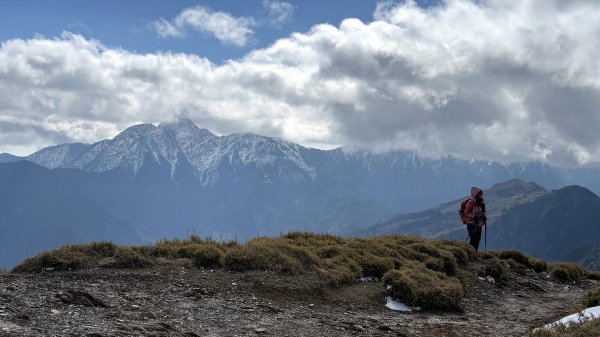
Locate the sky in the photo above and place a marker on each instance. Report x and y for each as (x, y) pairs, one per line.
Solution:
(499, 80)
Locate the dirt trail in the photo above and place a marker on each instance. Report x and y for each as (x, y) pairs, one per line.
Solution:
(177, 301)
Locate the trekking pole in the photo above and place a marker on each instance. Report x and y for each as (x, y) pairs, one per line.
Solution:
(485, 240)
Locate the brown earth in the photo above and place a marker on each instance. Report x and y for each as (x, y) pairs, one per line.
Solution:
(182, 301)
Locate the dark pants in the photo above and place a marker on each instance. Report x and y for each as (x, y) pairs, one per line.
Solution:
(474, 235)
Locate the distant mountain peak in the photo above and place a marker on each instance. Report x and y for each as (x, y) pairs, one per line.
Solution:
(576, 191)
(516, 185)
(135, 131)
(185, 127)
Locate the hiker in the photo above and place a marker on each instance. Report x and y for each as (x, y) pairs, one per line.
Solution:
(474, 216)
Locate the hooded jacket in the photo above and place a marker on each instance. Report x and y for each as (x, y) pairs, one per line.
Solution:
(471, 208)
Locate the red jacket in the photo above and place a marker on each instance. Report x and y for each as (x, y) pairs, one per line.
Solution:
(471, 208)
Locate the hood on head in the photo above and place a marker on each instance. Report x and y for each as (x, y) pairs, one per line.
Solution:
(476, 192)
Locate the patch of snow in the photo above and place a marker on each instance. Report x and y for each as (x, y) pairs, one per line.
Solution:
(397, 306)
(369, 279)
(488, 279)
(587, 314)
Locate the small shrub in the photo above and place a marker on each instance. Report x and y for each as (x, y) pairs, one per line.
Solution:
(416, 285)
(567, 272)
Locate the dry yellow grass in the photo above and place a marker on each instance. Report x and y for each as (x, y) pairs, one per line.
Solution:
(567, 272)
(419, 271)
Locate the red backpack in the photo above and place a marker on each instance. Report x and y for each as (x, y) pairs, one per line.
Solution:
(461, 213)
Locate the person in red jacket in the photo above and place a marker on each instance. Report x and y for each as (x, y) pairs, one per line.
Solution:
(475, 214)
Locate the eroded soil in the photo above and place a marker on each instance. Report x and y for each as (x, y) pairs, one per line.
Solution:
(180, 301)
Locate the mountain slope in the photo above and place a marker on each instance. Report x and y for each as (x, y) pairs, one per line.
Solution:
(41, 209)
(9, 158)
(443, 220)
(553, 225)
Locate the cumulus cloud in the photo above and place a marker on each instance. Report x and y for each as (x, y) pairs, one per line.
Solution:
(493, 79)
(278, 12)
(221, 25)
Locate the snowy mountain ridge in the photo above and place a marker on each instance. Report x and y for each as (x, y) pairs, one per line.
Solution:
(404, 181)
(170, 144)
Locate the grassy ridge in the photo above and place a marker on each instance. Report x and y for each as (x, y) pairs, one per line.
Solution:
(418, 271)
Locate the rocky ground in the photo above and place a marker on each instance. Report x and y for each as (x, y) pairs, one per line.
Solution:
(181, 301)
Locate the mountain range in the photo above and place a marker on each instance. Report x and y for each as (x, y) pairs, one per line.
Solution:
(152, 182)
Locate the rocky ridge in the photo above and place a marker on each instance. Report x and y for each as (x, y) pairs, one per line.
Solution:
(183, 301)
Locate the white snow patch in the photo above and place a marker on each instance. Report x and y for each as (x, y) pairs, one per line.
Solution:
(488, 279)
(395, 305)
(587, 314)
(369, 279)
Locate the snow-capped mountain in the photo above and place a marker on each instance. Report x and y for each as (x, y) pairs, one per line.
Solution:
(175, 145)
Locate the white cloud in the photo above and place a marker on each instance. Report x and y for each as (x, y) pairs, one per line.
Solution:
(278, 12)
(221, 25)
(495, 79)
(165, 29)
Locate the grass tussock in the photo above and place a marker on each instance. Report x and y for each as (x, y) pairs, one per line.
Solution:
(126, 258)
(69, 257)
(589, 328)
(594, 275)
(420, 286)
(567, 272)
(496, 268)
(517, 259)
